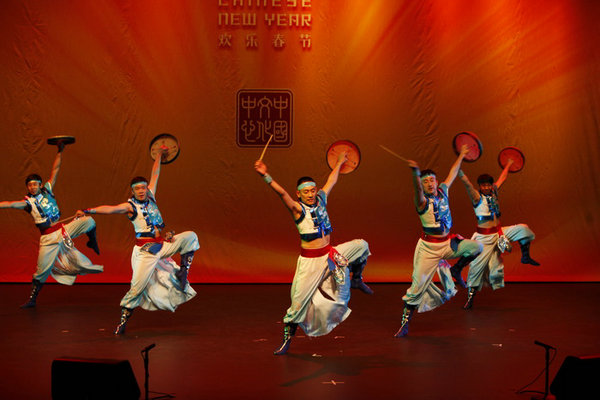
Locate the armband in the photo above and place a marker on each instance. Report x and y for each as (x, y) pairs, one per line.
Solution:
(267, 178)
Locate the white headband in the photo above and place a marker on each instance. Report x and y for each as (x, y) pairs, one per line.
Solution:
(305, 184)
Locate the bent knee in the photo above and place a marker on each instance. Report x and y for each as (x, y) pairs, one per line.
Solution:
(363, 245)
(88, 222)
(189, 236)
(472, 248)
(527, 231)
(190, 239)
(192, 235)
(364, 251)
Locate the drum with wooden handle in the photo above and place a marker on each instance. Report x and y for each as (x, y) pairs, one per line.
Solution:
(472, 141)
(514, 154)
(353, 155)
(57, 140)
(170, 142)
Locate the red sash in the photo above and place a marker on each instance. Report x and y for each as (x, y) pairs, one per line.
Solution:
(51, 229)
(435, 239)
(487, 231)
(314, 253)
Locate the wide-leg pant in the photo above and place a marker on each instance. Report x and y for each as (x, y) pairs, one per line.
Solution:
(319, 304)
(488, 267)
(154, 285)
(425, 294)
(62, 261)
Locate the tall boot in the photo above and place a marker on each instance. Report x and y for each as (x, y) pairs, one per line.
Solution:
(525, 258)
(456, 270)
(186, 262)
(36, 286)
(470, 296)
(92, 241)
(406, 317)
(125, 314)
(288, 332)
(357, 280)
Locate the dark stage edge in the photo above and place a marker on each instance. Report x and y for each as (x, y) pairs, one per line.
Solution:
(219, 345)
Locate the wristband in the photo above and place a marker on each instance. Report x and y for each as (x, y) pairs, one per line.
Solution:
(89, 211)
(267, 178)
(460, 173)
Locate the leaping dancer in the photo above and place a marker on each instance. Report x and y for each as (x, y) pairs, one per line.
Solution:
(57, 255)
(321, 287)
(157, 282)
(488, 267)
(436, 243)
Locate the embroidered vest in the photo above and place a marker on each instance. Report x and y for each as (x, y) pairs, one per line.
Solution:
(146, 218)
(43, 208)
(435, 217)
(488, 206)
(314, 222)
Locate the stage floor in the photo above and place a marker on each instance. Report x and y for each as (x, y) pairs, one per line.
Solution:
(219, 345)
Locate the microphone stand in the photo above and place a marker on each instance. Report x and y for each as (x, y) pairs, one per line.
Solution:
(144, 352)
(547, 367)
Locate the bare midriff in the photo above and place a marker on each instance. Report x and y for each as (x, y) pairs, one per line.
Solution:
(317, 243)
(489, 224)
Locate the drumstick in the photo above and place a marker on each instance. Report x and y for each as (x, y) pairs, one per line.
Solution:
(66, 219)
(392, 153)
(265, 149)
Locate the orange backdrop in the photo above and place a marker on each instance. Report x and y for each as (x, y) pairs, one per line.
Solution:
(405, 74)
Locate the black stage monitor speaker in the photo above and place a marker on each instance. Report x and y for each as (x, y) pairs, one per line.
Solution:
(91, 379)
(577, 378)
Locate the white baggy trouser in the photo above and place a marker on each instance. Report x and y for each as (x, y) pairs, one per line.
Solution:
(59, 258)
(488, 267)
(427, 260)
(319, 304)
(154, 285)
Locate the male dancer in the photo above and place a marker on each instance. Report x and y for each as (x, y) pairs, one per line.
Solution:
(488, 267)
(321, 287)
(436, 243)
(57, 255)
(157, 282)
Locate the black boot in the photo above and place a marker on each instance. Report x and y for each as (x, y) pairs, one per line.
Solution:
(125, 314)
(525, 258)
(470, 296)
(357, 280)
(288, 332)
(186, 262)
(92, 241)
(406, 317)
(36, 286)
(456, 270)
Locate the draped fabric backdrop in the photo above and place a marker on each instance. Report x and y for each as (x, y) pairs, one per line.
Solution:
(405, 74)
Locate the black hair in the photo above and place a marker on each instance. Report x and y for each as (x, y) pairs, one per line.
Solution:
(485, 178)
(138, 179)
(304, 179)
(33, 177)
(426, 172)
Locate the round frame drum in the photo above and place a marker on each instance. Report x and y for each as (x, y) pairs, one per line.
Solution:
(470, 139)
(55, 140)
(511, 153)
(168, 140)
(340, 146)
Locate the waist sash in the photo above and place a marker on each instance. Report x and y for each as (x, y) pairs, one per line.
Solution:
(435, 239)
(314, 253)
(487, 231)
